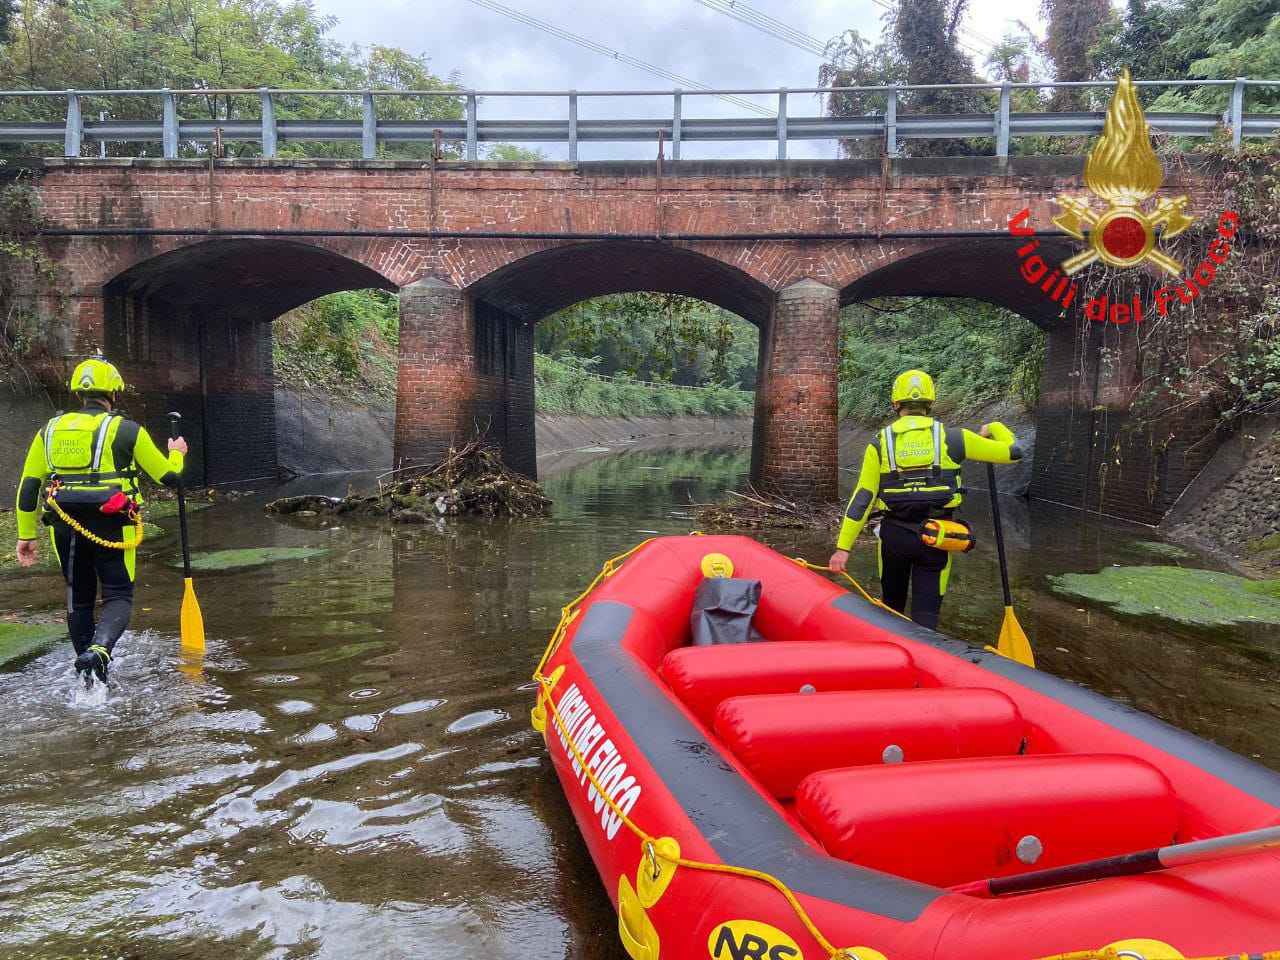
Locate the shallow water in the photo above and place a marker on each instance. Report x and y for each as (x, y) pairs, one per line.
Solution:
(350, 770)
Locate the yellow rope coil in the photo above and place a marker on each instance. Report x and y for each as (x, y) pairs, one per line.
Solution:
(93, 537)
(648, 841)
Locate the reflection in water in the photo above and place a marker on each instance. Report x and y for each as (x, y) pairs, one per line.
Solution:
(350, 770)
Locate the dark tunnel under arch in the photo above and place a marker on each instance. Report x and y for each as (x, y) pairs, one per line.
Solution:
(191, 331)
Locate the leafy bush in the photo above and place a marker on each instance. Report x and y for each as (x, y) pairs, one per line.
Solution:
(343, 344)
(570, 385)
(975, 352)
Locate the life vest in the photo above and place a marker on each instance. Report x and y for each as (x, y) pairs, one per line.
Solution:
(918, 477)
(78, 450)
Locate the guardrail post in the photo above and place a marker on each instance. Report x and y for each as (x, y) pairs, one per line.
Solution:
(782, 123)
(472, 146)
(573, 125)
(268, 124)
(677, 100)
(169, 125)
(73, 139)
(1237, 113)
(891, 122)
(1002, 121)
(368, 128)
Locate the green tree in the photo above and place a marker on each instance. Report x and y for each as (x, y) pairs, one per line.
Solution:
(1224, 39)
(8, 11)
(655, 336)
(922, 47)
(1073, 28)
(851, 61)
(1010, 59)
(1139, 39)
(925, 37)
(213, 45)
(978, 353)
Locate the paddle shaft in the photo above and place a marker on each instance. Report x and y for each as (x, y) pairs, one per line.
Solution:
(182, 503)
(995, 522)
(1161, 858)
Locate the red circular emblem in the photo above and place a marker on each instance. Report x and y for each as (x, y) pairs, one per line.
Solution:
(1124, 238)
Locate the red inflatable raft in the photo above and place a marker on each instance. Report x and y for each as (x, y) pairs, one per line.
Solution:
(839, 789)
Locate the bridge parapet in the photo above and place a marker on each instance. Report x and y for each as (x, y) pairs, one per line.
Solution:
(59, 117)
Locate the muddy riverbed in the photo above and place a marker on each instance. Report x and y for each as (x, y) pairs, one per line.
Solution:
(351, 772)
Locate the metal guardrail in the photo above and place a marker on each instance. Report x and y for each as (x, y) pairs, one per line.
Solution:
(891, 127)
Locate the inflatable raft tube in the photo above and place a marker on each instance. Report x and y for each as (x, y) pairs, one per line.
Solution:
(838, 788)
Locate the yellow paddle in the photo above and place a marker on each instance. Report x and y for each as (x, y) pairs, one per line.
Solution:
(191, 619)
(1013, 641)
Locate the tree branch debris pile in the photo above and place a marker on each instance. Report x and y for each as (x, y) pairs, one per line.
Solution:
(470, 480)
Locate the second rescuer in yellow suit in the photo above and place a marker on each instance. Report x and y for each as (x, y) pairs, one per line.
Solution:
(911, 473)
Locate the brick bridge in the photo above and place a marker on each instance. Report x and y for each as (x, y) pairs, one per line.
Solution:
(176, 272)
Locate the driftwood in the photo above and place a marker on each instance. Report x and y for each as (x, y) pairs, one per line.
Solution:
(470, 480)
(760, 510)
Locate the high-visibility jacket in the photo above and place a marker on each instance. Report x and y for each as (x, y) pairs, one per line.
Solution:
(89, 455)
(912, 470)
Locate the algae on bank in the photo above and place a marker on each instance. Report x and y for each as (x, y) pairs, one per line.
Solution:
(19, 642)
(1182, 594)
(250, 557)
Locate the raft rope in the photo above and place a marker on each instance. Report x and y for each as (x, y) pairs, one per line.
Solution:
(857, 586)
(648, 841)
(92, 537)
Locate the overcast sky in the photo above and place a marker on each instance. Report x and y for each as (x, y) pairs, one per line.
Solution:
(494, 52)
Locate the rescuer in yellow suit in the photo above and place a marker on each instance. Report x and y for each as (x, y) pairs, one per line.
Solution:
(911, 473)
(82, 472)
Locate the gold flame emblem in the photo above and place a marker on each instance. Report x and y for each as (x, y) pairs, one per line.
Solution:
(1123, 169)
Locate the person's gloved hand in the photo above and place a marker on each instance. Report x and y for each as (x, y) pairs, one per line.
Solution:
(93, 663)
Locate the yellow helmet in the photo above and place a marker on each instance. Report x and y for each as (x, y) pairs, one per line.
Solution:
(97, 376)
(913, 385)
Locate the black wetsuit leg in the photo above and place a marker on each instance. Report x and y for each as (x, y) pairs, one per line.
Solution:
(75, 555)
(895, 568)
(85, 565)
(907, 562)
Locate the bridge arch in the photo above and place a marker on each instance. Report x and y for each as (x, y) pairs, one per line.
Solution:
(985, 269)
(191, 331)
(484, 380)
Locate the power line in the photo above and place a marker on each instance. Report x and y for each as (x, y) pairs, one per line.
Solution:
(766, 24)
(968, 46)
(614, 54)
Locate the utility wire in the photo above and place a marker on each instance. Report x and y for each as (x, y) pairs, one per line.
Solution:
(615, 54)
(964, 29)
(766, 24)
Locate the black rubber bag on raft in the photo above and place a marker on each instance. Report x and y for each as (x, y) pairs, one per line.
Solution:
(722, 611)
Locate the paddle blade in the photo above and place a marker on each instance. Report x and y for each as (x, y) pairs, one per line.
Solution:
(191, 619)
(1013, 640)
